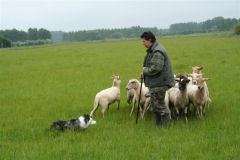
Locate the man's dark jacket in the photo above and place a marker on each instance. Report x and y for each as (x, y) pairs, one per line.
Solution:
(157, 67)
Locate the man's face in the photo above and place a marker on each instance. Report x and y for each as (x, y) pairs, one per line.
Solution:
(146, 43)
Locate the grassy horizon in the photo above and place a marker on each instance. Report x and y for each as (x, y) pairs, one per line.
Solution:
(44, 84)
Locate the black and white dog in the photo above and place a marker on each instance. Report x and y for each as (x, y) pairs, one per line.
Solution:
(79, 123)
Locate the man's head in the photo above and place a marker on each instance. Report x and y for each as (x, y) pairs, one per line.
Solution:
(148, 39)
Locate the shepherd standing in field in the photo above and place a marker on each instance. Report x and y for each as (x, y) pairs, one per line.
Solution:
(158, 76)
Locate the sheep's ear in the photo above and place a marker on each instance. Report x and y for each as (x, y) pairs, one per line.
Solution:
(188, 80)
(177, 79)
(113, 76)
(205, 79)
(199, 75)
(200, 68)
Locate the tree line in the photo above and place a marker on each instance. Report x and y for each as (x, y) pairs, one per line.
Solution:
(36, 36)
(215, 24)
(32, 34)
(102, 34)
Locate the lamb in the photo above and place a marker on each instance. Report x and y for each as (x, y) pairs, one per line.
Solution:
(134, 84)
(198, 95)
(108, 96)
(177, 97)
(197, 72)
(197, 69)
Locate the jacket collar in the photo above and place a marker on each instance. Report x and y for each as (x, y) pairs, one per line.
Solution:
(150, 49)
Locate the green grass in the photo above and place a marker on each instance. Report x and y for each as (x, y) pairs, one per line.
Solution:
(44, 84)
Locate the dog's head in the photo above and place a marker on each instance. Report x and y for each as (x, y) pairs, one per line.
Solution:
(86, 120)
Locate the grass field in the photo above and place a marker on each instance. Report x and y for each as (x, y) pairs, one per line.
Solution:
(44, 84)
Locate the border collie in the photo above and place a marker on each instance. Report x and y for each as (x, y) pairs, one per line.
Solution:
(79, 123)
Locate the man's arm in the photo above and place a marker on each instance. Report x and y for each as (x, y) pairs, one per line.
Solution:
(156, 65)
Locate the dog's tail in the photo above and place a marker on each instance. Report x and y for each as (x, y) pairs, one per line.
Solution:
(96, 102)
(53, 125)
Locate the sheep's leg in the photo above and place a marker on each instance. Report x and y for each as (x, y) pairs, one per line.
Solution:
(118, 104)
(169, 111)
(177, 112)
(196, 110)
(185, 112)
(147, 105)
(204, 111)
(141, 110)
(103, 109)
(129, 100)
(188, 109)
(94, 109)
(171, 108)
(133, 107)
(201, 111)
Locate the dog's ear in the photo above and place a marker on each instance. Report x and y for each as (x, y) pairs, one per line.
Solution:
(87, 117)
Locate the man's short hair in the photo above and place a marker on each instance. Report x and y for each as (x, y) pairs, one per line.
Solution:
(149, 36)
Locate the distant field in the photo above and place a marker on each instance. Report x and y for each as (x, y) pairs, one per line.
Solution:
(44, 84)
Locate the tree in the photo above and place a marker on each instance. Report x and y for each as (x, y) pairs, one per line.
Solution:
(237, 29)
(32, 34)
(14, 35)
(5, 43)
(44, 34)
(116, 35)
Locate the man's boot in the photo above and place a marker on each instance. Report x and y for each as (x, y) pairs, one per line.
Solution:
(157, 118)
(165, 120)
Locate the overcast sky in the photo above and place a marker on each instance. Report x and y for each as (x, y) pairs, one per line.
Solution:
(73, 15)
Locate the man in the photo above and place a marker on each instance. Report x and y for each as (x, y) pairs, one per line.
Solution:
(158, 76)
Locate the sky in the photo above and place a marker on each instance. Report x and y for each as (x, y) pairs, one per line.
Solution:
(74, 15)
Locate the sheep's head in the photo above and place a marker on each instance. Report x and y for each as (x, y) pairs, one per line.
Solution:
(200, 82)
(197, 69)
(182, 75)
(195, 76)
(116, 80)
(132, 84)
(182, 83)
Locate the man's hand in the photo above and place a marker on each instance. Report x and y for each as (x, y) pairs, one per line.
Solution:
(141, 75)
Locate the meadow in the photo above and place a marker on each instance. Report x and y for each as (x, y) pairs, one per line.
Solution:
(39, 85)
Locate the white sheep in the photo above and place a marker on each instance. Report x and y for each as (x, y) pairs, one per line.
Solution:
(177, 97)
(134, 84)
(198, 95)
(108, 96)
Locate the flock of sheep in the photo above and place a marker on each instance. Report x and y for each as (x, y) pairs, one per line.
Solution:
(189, 89)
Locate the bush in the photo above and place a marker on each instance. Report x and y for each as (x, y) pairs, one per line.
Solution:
(32, 42)
(237, 29)
(5, 43)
